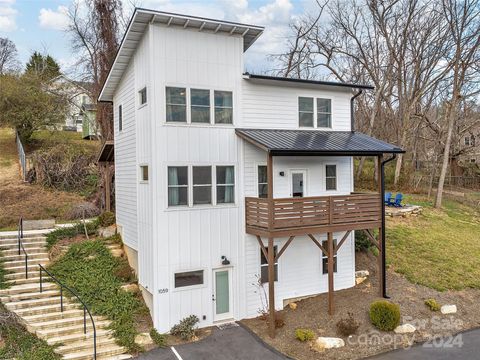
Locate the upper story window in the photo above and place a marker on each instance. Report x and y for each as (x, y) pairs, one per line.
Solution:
(262, 181)
(223, 107)
(225, 184)
(177, 185)
(314, 114)
(325, 258)
(331, 177)
(143, 96)
(202, 185)
(176, 102)
(200, 105)
(120, 118)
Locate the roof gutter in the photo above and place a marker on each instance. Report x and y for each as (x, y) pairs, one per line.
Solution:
(352, 117)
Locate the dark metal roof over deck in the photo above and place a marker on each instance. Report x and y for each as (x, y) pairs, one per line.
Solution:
(316, 142)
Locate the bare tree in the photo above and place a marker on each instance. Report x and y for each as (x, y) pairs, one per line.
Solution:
(8, 56)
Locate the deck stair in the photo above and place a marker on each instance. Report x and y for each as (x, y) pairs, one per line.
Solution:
(41, 312)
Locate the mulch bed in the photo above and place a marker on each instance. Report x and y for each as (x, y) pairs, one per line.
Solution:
(312, 313)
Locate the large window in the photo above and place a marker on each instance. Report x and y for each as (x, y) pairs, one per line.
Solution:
(189, 278)
(305, 111)
(143, 96)
(324, 113)
(202, 185)
(120, 118)
(200, 105)
(223, 107)
(262, 181)
(325, 258)
(331, 177)
(225, 184)
(177, 185)
(176, 104)
(264, 266)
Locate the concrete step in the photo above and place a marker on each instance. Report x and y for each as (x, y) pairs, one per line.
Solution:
(31, 265)
(72, 329)
(46, 309)
(111, 350)
(26, 244)
(85, 345)
(32, 257)
(33, 250)
(30, 296)
(18, 263)
(27, 288)
(116, 357)
(25, 304)
(63, 323)
(58, 315)
(29, 235)
(22, 281)
(78, 336)
(21, 274)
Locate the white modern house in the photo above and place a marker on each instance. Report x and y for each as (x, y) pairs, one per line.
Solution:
(228, 182)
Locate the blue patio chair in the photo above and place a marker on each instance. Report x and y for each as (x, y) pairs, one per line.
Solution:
(398, 200)
(388, 196)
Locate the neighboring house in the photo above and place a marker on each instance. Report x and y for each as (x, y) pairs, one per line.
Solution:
(215, 168)
(81, 113)
(470, 146)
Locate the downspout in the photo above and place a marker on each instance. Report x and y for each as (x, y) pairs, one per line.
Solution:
(352, 118)
(384, 275)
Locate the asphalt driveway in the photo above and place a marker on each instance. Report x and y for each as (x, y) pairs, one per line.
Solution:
(232, 343)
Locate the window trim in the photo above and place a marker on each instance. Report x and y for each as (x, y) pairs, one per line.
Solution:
(335, 257)
(140, 104)
(315, 112)
(323, 112)
(140, 167)
(329, 177)
(190, 287)
(275, 252)
(120, 117)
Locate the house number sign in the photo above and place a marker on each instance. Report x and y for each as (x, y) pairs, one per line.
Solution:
(163, 291)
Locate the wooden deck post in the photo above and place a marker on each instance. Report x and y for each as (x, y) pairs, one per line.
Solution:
(271, 252)
(331, 305)
(380, 248)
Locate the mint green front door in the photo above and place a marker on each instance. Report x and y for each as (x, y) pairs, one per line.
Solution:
(222, 296)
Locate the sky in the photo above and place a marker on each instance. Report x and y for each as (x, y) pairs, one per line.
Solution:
(38, 25)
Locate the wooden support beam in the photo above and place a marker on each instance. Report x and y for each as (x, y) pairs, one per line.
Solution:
(262, 247)
(380, 263)
(380, 258)
(284, 247)
(341, 242)
(372, 238)
(331, 306)
(270, 190)
(325, 252)
(271, 288)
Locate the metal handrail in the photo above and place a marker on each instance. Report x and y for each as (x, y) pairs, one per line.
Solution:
(85, 308)
(20, 245)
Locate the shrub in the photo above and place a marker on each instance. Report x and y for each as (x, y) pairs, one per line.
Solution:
(185, 329)
(304, 334)
(432, 304)
(124, 271)
(86, 209)
(69, 232)
(106, 219)
(362, 242)
(347, 326)
(385, 315)
(159, 339)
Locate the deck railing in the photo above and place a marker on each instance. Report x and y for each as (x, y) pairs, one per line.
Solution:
(288, 213)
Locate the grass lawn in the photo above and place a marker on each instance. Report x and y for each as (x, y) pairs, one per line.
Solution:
(440, 248)
(47, 139)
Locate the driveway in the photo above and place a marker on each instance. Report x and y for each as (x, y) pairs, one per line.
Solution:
(231, 343)
(464, 346)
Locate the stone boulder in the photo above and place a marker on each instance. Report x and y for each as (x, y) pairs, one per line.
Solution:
(324, 343)
(405, 329)
(143, 339)
(361, 276)
(130, 287)
(107, 231)
(448, 309)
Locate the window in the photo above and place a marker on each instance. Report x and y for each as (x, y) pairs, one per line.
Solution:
(225, 184)
(325, 258)
(144, 172)
(331, 177)
(472, 140)
(200, 105)
(324, 113)
(262, 181)
(120, 118)
(223, 107)
(202, 185)
(176, 102)
(177, 185)
(467, 140)
(189, 278)
(264, 266)
(305, 111)
(143, 96)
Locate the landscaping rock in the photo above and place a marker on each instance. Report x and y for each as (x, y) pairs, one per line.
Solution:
(362, 274)
(143, 339)
(405, 329)
(448, 309)
(107, 231)
(360, 280)
(323, 343)
(130, 287)
(293, 306)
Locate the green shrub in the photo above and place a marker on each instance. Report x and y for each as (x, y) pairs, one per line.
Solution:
(69, 232)
(304, 334)
(159, 339)
(432, 304)
(106, 218)
(347, 326)
(362, 242)
(185, 329)
(385, 315)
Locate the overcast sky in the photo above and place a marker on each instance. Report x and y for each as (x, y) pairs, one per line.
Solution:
(38, 24)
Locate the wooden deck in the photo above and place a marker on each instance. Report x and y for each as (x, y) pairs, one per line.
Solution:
(319, 214)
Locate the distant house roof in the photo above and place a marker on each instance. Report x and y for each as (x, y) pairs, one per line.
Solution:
(265, 78)
(142, 17)
(316, 142)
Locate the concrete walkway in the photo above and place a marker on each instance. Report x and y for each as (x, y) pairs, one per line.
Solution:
(464, 346)
(232, 343)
